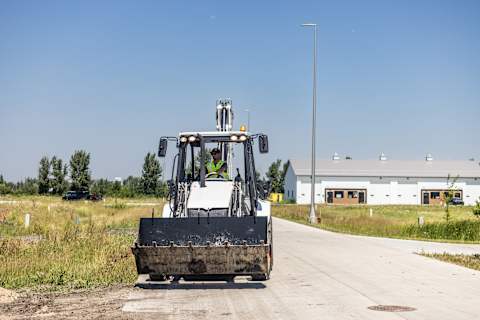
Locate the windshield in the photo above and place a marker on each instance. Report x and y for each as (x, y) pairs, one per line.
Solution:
(222, 161)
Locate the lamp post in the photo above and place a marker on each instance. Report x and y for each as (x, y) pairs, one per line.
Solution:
(313, 218)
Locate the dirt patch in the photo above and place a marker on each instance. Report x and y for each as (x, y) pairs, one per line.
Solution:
(86, 305)
(7, 296)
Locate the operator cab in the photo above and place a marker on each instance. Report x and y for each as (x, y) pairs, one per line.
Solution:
(194, 190)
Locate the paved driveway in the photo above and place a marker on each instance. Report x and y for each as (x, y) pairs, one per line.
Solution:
(324, 275)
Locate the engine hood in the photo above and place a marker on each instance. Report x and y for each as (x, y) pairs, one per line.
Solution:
(215, 195)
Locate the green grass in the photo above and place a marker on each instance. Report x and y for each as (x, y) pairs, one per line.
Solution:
(83, 244)
(468, 261)
(391, 221)
(71, 245)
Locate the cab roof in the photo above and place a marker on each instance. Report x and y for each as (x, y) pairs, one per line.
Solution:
(214, 133)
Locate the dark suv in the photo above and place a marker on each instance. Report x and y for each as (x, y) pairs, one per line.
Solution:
(79, 195)
(456, 202)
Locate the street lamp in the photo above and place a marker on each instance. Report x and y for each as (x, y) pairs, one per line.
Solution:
(313, 217)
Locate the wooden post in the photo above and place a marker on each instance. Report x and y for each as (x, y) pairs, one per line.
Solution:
(27, 220)
(421, 220)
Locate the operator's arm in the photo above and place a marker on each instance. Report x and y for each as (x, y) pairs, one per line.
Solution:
(223, 168)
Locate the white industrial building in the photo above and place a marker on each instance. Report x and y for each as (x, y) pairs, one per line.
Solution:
(382, 181)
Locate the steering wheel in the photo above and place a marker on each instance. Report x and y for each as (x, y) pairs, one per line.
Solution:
(218, 175)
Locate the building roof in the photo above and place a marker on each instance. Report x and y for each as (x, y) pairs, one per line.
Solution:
(388, 168)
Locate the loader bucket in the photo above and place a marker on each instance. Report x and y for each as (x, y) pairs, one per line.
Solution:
(203, 246)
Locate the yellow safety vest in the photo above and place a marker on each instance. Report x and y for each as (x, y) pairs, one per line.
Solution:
(212, 167)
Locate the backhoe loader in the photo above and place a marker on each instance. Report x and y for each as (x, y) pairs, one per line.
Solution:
(213, 226)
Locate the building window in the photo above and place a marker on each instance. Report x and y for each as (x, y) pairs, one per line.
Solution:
(457, 195)
(434, 195)
(339, 194)
(352, 194)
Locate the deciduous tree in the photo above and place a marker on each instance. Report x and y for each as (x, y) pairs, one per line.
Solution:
(59, 174)
(151, 174)
(275, 176)
(44, 176)
(79, 170)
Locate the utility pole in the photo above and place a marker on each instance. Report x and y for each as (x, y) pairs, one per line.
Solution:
(312, 217)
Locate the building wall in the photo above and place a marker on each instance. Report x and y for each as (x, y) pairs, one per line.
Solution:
(290, 185)
(379, 191)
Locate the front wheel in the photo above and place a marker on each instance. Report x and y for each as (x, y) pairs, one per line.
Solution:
(260, 277)
(157, 277)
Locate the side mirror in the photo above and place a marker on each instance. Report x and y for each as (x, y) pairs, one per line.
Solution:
(162, 147)
(263, 143)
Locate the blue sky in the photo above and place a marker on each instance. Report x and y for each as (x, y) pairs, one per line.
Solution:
(110, 77)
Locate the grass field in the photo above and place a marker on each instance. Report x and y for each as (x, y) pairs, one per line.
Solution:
(69, 244)
(81, 244)
(469, 261)
(391, 221)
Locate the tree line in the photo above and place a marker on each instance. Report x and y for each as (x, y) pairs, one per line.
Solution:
(56, 177)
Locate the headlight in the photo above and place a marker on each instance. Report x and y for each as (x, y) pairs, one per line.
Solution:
(234, 138)
(192, 138)
(243, 138)
(183, 139)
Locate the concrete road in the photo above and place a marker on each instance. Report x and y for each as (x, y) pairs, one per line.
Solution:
(324, 275)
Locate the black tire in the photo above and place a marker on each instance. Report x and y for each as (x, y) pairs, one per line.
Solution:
(157, 277)
(260, 277)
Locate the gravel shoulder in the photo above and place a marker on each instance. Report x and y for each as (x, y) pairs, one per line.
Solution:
(103, 303)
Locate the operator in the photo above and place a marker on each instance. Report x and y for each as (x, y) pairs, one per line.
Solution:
(217, 165)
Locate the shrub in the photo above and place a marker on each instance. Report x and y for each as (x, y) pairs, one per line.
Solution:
(476, 209)
(464, 230)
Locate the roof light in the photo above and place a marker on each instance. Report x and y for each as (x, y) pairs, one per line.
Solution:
(243, 128)
(243, 138)
(192, 138)
(234, 138)
(183, 139)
